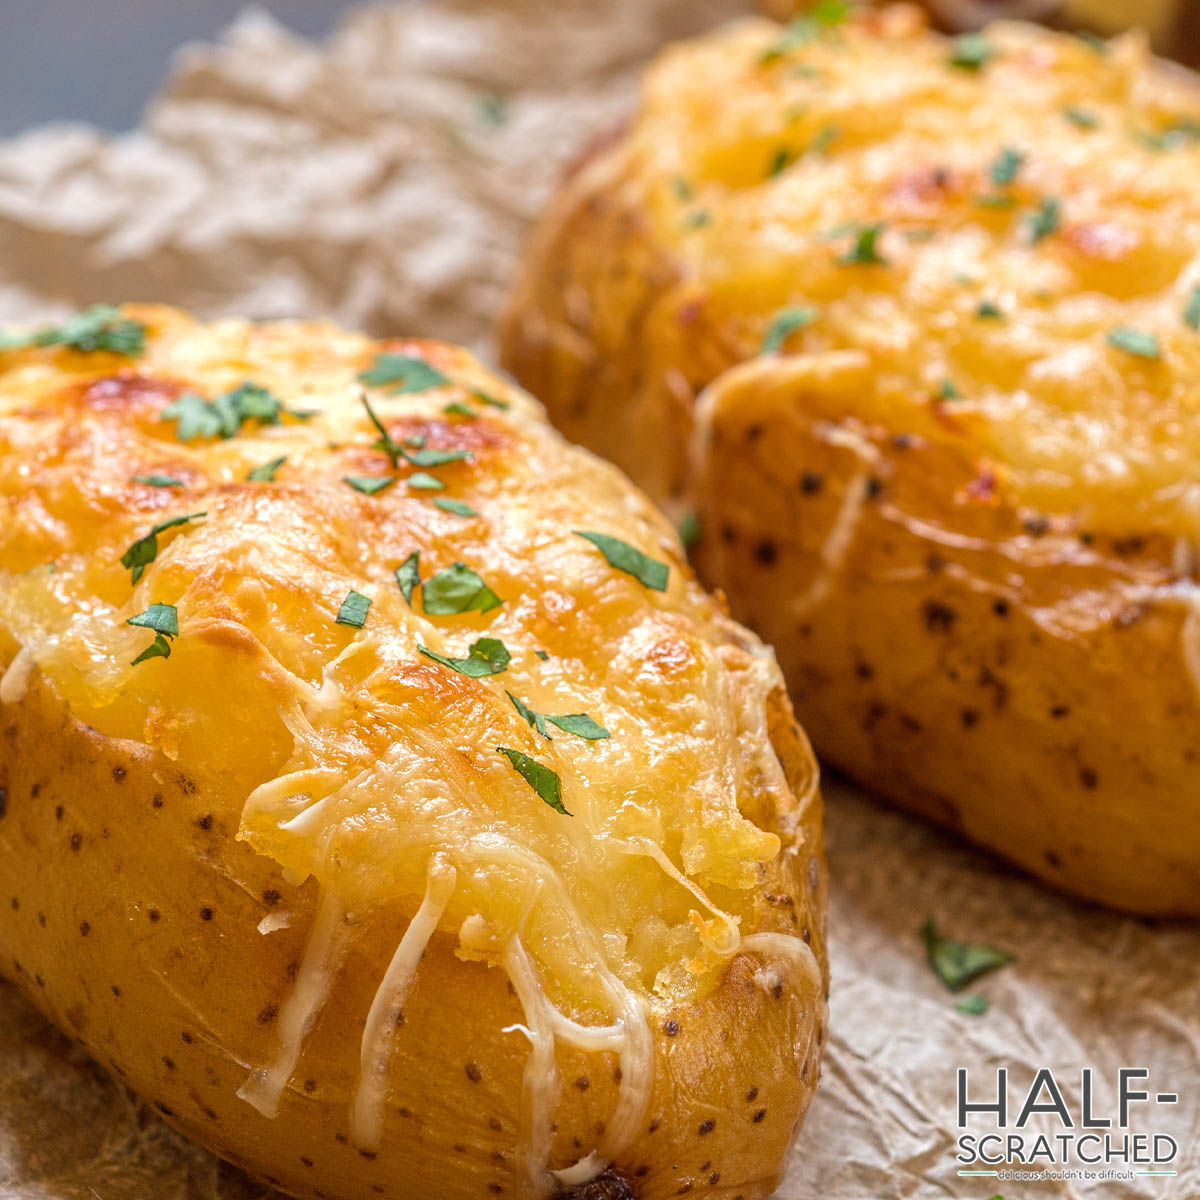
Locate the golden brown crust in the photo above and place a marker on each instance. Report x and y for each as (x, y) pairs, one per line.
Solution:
(170, 924)
(990, 260)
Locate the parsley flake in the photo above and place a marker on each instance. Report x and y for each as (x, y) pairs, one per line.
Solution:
(1005, 165)
(957, 964)
(145, 550)
(804, 29)
(224, 415)
(159, 481)
(987, 310)
(456, 408)
(457, 507)
(369, 485)
(424, 482)
(1044, 220)
(970, 52)
(973, 1005)
(266, 472)
(491, 401)
(1137, 342)
(1191, 311)
(865, 249)
(457, 589)
(164, 620)
(646, 570)
(1081, 118)
(539, 777)
(408, 575)
(580, 724)
(783, 323)
(100, 327)
(407, 373)
(354, 610)
(947, 391)
(487, 656)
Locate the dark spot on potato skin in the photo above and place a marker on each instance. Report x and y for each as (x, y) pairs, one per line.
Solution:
(118, 774)
(268, 1014)
(760, 1116)
(474, 1074)
(706, 1127)
(671, 1027)
(76, 842)
(1052, 859)
(3, 803)
(811, 483)
(1088, 778)
(204, 822)
(939, 618)
(766, 553)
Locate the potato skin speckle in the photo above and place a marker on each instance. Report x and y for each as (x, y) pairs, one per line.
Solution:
(952, 471)
(141, 881)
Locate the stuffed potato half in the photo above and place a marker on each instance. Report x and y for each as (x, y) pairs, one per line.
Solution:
(384, 831)
(944, 296)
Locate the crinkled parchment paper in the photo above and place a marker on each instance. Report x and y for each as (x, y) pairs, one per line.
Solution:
(387, 178)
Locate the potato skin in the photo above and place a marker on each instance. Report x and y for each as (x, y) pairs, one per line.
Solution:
(966, 606)
(1018, 711)
(133, 907)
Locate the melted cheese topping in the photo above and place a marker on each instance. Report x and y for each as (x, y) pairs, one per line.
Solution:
(363, 763)
(756, 164)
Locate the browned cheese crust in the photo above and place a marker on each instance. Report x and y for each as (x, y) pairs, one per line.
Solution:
(911, 324)
(178, 837)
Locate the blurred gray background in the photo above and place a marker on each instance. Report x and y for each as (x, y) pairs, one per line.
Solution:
(100, 60)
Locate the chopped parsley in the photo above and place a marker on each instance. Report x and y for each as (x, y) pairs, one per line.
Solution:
(457, 507)
(1137, 342)
(266, 472)
(987, 310)
(865, 249)
(646, 570)
(697, 219)
(418, 456)
(539, 777)
(1044, 220)
(994, 200)
(804, 29)
(947, 391)
(408, 575)
(681, 188)
(145, 550)
(785, 322)
(1005, 165)
(369, 485)
(781, 159)
(456, 408)
(970, 52)
(487, 656)
(457, 589)
(484, 398)
(1092, 40)
(421, 457)
(424, 482)
(957, 964)
(402, 373)
(689, 529)
(164, 620)
(1081, 118)
(1191, 311)
(354, 610)
(224, 415)
(973, 1005)
(161, 481)
(822, 140)
(580, 724)
(100, 327)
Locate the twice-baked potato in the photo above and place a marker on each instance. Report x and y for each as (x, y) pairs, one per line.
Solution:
(942, 297)
(380, 795)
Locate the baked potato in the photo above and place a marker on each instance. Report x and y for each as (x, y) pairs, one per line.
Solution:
(912, 324)
(380, 795)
